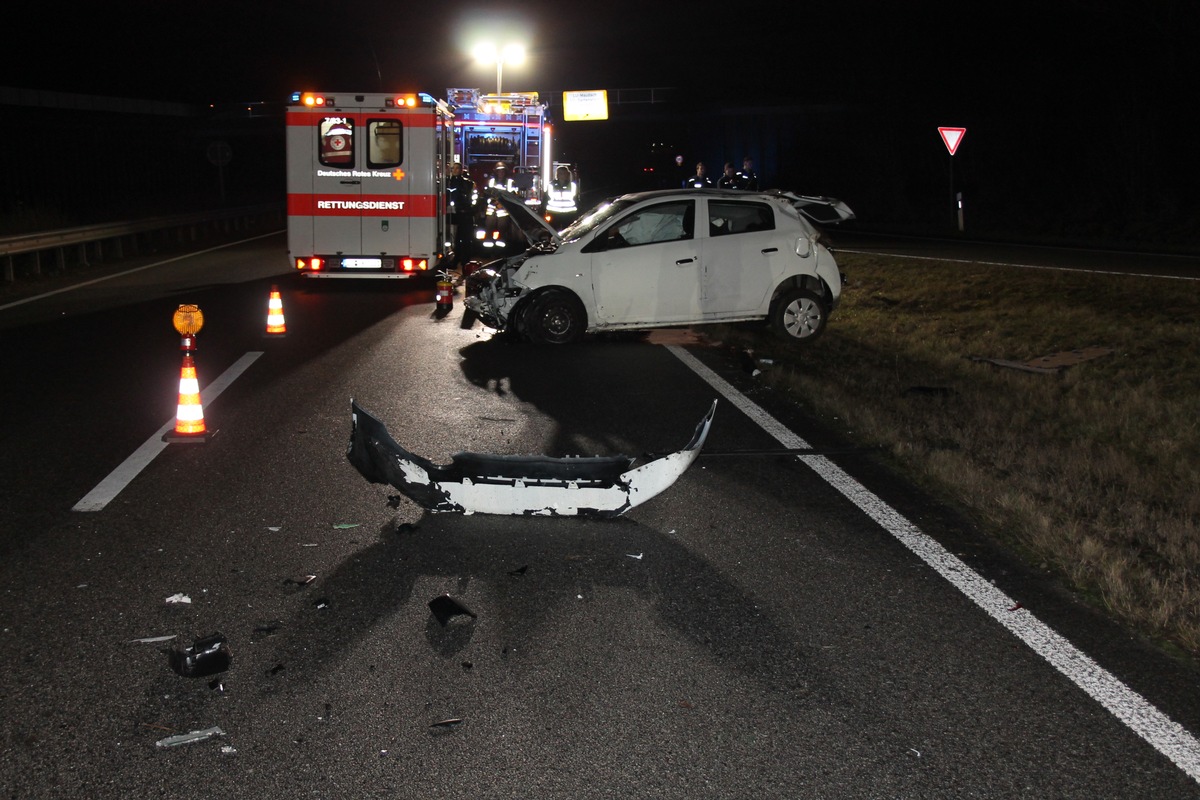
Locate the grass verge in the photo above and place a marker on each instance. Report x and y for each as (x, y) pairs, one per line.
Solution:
(1092, 470)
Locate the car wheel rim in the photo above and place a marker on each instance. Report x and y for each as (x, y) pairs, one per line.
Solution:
(802, 318)
(556, 322)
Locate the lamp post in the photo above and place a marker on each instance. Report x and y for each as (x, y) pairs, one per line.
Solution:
(488, 53)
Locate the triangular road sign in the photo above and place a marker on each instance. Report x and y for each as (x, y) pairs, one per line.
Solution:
(952, 137)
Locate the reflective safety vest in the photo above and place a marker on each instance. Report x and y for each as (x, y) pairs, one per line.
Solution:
(562, 197)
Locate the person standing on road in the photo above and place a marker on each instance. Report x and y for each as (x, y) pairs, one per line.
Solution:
(699, 180)
(460, 204)
(747, 177)
(730, 180)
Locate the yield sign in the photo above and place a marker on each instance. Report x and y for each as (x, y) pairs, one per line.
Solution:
(952, 137)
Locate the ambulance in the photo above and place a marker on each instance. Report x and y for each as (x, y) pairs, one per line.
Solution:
(366, 176)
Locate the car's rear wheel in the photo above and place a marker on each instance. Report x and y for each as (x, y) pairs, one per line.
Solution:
(798, 316)
(555, 317)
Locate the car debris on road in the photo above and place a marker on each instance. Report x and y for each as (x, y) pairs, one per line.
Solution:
(599, 486)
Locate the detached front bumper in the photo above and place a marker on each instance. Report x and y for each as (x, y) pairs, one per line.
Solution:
(603, 486)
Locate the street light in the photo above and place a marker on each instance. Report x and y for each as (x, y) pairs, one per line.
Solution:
(489, 53)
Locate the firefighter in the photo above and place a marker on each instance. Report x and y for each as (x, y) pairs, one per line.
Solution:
(460, 203)
(562, 193)
(730, 179)
(699, 180)
(747, 178)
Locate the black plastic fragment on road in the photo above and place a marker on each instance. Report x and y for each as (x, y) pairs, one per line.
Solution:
(446, 608)
(206, 656)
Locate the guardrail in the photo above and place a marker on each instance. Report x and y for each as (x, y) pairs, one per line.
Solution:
(82, 245)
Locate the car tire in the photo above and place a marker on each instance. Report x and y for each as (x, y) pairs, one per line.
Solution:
(554, 317)
(798, 316)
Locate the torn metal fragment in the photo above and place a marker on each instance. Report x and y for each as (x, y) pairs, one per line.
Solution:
(600, 486)
(189, 738)
(153, 639)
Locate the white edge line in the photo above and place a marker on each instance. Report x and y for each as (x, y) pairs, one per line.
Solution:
(81, 284)
(1143, 718)
(119, 478)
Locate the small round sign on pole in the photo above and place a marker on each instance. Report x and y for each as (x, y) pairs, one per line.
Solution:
(219, 154)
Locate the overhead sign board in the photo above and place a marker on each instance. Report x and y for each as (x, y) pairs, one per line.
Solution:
(585, 105)
(952, 137)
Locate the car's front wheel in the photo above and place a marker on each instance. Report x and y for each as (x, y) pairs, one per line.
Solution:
(798, 316)
(555, 317)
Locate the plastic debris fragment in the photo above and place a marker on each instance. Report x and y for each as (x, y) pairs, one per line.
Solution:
(519, 571)
(635, 556)
(207, 656)
(153, 639)
(341, 526)
(189, 738)
(178, 597)
(446, 608)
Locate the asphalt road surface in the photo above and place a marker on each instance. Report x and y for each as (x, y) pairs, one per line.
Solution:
(772, 625)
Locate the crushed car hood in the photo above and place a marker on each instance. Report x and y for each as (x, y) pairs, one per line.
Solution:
(529, 221)
(601, 486)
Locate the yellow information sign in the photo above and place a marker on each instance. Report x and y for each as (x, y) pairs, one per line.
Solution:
(585, 105)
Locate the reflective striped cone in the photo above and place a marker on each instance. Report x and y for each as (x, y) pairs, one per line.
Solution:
(189, 418)
(275, 322)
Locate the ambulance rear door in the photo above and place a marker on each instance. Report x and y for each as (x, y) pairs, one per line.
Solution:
(337, 184)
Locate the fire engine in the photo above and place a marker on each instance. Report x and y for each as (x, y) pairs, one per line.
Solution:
(508, 129)
(366, 183)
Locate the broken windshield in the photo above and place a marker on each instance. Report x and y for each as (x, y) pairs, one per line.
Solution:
(593, 219)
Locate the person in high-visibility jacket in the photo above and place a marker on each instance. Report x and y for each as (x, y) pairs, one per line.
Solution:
(563, 192)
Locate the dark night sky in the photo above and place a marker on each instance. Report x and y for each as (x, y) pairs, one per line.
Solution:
(1042, 55)
(1077, 109)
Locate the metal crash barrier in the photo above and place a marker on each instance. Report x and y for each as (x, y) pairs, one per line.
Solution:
(22, 256)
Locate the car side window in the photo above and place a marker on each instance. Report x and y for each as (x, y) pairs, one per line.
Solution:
(729, 217)
(664, 222)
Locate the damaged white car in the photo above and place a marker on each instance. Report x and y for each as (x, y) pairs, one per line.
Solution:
(666, 258)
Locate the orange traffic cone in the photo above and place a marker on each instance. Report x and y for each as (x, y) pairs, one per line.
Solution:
(189, 419)
(275, 323)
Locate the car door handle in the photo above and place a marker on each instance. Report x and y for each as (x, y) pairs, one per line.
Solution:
(686, 260)
(348, 183)
(770, 250)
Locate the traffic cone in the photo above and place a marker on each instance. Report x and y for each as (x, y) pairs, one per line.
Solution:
(276, 326)
(189, 419)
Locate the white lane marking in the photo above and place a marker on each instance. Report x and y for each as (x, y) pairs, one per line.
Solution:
(81, 284)
(120, 477)
(974, 262)
(1162, 733)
